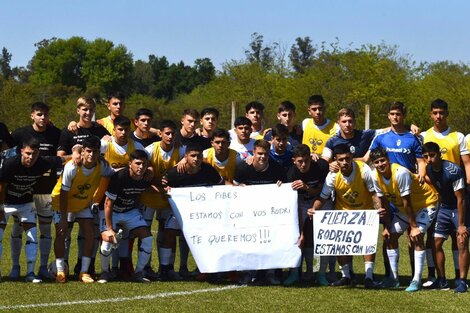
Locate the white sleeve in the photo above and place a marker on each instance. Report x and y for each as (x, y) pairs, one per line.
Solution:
(149, 149)
(69, 173)
(458, 184)
(104, 146)
(367, 176)
(377, 188)
(403, 178)
(328, 186)
(111, 196)
(327, 153)
(304, 123)
(462, 144)
(139, 146)
(106, 170)
(205, 153)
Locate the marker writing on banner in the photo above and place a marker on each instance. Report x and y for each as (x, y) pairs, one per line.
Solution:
(344, 217)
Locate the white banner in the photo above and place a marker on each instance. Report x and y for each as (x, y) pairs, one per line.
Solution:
(345, 232)
(239, 228)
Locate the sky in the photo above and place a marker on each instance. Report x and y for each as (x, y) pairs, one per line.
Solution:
(221, 30)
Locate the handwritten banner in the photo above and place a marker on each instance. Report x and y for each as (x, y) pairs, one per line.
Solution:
(239, 228)
(345, 232)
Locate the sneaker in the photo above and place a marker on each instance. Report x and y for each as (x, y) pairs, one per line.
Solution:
(105, 277)
(389, 282)
(140, 277)
(43, 272)
(151, 274)
(369, 283)
(429, 281)
(31, 278)
(414, 286)
(462, 287)
(344, 281)
(15, 272)
(85, 278)
(246, 278)
(272, 280)
(60, 277)
(184, 273)
(292, 278)
(321, 280)
(440, 284)
(114, 273)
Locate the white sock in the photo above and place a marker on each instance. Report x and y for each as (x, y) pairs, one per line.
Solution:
(31, 248)
(165, 256)
(429, 258)
(106, 248)
(45, 243)
(369, 269)
(145, 250)
(345, 270)
(60, 264)
(419, 264)
(85, 264)
(393, 257)
(16, 241)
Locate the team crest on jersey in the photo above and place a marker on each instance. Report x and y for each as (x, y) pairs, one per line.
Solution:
(351, 196)
(398, 142)
(352, 149)
(82, 189)
(444, 150)
(315, 143)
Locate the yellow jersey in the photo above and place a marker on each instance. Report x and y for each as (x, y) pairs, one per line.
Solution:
(448, 141)
(354, 195)
(227, 171)
(115, 159)
(316, 137)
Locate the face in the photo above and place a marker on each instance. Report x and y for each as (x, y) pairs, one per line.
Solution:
(302, 163)
(220, 145)
(209, 122)
(86, 113)
(260, 156)
(167, 135)
(432, 158)
(344, 161)
(115, 106)
(439, 116)
(346, 124)
(29, 156)
(396, 118)
(280, 143)
(40, 118)
(90, 155)
(121, 133)
(138, 167)
(382, 165)
(286, 118)
(143, 123)
(194, 159)
(317, 112)
(254, 116)
(243, 132)
(188, 123)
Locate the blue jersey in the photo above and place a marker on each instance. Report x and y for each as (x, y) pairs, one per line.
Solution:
(285, 160)
(401, 148)
(358, 145)
(444, 181)
(294, 138)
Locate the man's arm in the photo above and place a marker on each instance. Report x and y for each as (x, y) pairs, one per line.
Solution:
(466, 164)
(414, 229)
(109, 234)
(461, 229)
(3, 187)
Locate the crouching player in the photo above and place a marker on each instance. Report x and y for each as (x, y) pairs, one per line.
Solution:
(72, 198)
(397, 186)
(122, 207)
(354, 190)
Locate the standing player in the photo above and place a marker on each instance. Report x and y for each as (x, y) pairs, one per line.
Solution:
(209, 120)
(142, 123)
(242, 143)
(448, 178)
(280, 151)
(116, 108)
(187, 133)
(286, 116)
(5, 138)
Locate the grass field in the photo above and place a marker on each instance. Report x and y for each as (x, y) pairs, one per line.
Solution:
(206, 297)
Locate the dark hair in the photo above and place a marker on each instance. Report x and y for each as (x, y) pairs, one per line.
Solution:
(341, 149)
(279, 130)
(91, 142)
(378, 153)
(31, 142)
(242, 120)
(167, 124)
(430, 147)
(122, 121)
(212, 111)
(301, 150)
(143, 111)
(286, 106)
(261, 143)
(39, 106)
(138, 155)
(316, 99)
(254, 105)
(439, 104)
(194, 146)
(191, 112)
(116, 94)
(397, 105)
(221, 133)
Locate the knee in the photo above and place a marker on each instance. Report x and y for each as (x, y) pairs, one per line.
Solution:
(146, 245)
(106, 248)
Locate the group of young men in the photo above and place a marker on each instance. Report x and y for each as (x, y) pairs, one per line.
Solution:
(112, 177)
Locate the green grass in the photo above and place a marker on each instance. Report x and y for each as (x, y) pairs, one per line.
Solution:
(301, 298)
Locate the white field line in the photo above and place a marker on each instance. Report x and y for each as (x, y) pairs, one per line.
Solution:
(120, 299)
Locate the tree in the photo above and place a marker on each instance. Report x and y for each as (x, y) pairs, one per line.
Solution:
(143, 79)
(259, 53)
(5, 60)
(302, 54)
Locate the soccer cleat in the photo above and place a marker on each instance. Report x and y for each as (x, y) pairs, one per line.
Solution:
(344, 281)
(429, 281)
(151, 274)
(44, 273)
(462, 287)
(61, 278)
(85, 278)
(140, 277)
(369, 283)
(414, 286)
(31, 278)
(389, 282)
(272, 280)
(105, 277)
(184, 272)
(440, 284)
(292, 278)
(15, 272)
(321, 280)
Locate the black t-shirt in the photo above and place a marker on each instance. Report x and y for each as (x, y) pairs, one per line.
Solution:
(5, 136)
(207, 176)
(21, 179)
(246, 174)
(69, 139)
(183, 141)
(314, 178)
(144, 141)
(125, 191)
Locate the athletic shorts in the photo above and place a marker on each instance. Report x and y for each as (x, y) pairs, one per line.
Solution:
(72, 217)
(168, 219)
(447, 221)
(25, 213)
(129, 220)
(424, 219)
(43, 204)
(149, 213)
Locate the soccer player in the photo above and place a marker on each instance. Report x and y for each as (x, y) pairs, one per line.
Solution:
(286, 116)
(187, 133)
(209, 120)
(354, 190)
(5, 138)
(449, 180)
(416, 203)
(18, 177)
(71, 198)
(142, 123)
(254, 112)
(122, 207)
(48, 137)
(242, 143)
(116, 106)
(279, 151)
